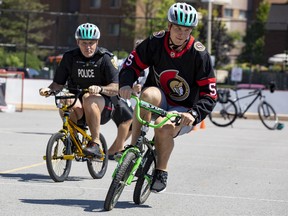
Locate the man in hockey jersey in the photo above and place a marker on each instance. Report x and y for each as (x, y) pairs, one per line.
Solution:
(181, 79)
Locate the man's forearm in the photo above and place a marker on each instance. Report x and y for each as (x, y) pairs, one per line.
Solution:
(110, 90)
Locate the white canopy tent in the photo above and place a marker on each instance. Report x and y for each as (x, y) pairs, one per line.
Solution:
(280, 58)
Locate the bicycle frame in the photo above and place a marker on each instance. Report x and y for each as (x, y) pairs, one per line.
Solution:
(257, 92)
(142, 140)
(69, 128)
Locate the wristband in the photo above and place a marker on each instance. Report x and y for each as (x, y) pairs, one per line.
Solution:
(101, 89)
(193, 113)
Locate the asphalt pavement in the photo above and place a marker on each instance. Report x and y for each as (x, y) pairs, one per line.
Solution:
(239, 170)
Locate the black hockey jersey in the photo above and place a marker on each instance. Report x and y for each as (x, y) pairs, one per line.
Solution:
(187, 77)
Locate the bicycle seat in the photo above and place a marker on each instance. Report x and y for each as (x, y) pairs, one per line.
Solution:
(250, 86)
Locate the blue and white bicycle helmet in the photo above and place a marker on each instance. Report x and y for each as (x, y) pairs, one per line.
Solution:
(87, 31)
(183, 14)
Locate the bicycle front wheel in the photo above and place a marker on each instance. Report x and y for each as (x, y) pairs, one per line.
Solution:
(119, 181)
(142, 187)
(268, 115)
(58, 167)
(225, 114)
(97, 167)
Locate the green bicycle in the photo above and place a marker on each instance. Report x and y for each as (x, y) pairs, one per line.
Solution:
(138, 161)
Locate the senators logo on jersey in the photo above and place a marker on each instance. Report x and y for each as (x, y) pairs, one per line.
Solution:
(173, 85)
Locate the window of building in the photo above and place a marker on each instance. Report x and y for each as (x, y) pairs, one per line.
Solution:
(115, 3)
(95, 3)
(242, 14)
(228, 12)
(114, 29)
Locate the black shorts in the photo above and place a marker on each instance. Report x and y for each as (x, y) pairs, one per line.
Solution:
(107, 111)
(122, 112)
(105, 114)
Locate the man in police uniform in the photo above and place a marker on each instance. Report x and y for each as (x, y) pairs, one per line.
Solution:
(93, 68)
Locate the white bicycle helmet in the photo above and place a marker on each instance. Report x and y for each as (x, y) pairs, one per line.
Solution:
(87, 31)
(183, 14)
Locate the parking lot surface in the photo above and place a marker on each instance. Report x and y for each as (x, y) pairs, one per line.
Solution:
(239, 170)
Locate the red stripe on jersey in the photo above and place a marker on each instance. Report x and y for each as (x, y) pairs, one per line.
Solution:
(138, 62)
(211, 96)
(137, 65)
(206, 81)
(108, 108)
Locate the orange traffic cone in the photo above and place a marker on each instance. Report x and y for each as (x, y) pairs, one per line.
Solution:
(194, 128)
(202, 125)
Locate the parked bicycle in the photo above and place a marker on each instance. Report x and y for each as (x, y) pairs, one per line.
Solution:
(138, 161)
(68, 143)
(227, 110)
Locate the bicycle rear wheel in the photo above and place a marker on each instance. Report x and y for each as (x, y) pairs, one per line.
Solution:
(119, 181)
(142, 187)
(268, 115)
(58, 167)
(97, 167)
(225, 114)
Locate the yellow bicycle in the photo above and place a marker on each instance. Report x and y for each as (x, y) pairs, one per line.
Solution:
(68, 143)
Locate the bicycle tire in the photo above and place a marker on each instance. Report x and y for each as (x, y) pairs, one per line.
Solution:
(118, 182)
(227, 114)
(58, 168)
(96, 167)
(268, 115)
(142, 188)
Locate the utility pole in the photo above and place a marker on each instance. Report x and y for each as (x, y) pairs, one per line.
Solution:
(209, 26)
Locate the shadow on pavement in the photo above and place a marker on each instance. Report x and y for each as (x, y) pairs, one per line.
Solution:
(87, 205)
(30, 177)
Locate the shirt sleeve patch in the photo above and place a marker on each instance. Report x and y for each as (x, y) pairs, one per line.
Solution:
(199, 46)
(113, 61)
(159, 34)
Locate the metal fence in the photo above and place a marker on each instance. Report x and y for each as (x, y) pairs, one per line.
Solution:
(57, 30)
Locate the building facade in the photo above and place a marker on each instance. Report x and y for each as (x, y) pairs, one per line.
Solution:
(116, 35)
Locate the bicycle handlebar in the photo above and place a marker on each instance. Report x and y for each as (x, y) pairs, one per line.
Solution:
(154, 109)
(67, 95)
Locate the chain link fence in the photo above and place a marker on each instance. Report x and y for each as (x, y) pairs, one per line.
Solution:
(51, 34)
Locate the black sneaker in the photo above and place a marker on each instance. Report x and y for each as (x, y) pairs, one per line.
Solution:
(159, 181)
(93, 149)
(117, 156)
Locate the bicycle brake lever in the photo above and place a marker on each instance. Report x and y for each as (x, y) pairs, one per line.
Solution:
(177, 120)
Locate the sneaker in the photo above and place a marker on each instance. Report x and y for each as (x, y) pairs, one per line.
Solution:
(159, 181)
(93, 149)
(111, 157)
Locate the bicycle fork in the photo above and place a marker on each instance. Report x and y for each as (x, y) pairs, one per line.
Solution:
(136, 164)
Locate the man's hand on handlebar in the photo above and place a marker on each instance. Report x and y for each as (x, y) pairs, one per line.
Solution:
(94, 89)
(125, 92)
(186, 119)
(45, 92)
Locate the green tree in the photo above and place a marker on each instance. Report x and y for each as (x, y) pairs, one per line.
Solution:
(153, 17)
(222, 42)
(254, 39)
(23, 26)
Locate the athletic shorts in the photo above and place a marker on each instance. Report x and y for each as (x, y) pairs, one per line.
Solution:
(107, 111)
(164, 105)
(105, 114)
(122, 112)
